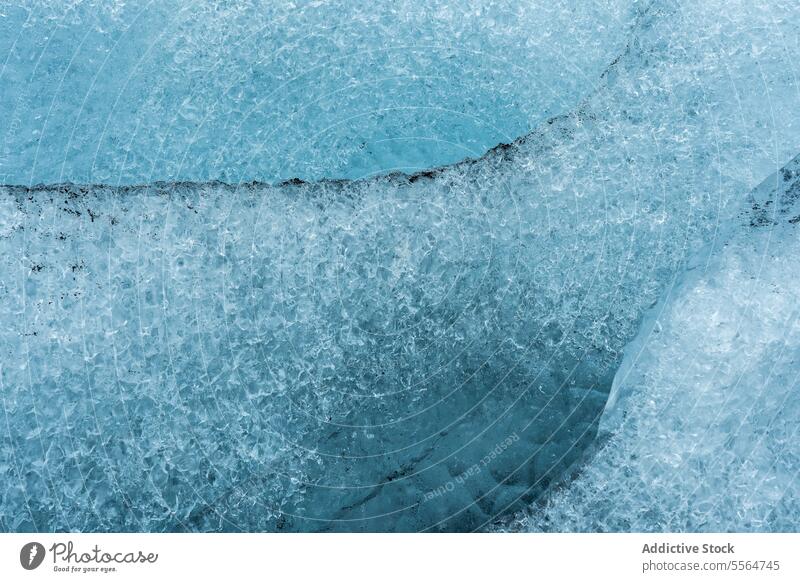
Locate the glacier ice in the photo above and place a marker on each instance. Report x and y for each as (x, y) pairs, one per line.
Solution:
(403, 352)
(702, 424)
(131, 92)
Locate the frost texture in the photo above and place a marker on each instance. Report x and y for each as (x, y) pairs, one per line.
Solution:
(704, 414)
(130, 92)
(343, 355)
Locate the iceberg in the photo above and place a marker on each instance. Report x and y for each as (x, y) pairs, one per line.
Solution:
(406, 352)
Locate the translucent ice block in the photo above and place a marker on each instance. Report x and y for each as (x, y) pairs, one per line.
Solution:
(404, 352)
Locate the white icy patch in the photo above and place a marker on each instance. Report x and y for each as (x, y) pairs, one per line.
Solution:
(10, 217)
(705, 416)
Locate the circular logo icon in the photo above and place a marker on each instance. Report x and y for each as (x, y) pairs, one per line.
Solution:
(31, 555)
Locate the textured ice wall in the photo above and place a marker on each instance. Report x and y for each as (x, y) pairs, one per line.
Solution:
(705, 414)
(131, 92)
(342, 355)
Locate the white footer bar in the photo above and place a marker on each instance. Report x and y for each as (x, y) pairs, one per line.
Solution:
(388, 557)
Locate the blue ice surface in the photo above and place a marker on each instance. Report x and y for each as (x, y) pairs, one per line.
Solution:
(116, 92)
(701, 428)
(406, 352)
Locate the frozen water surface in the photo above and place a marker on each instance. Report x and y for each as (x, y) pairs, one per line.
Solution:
(419, 351)
(131, 92)
(703, 420)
